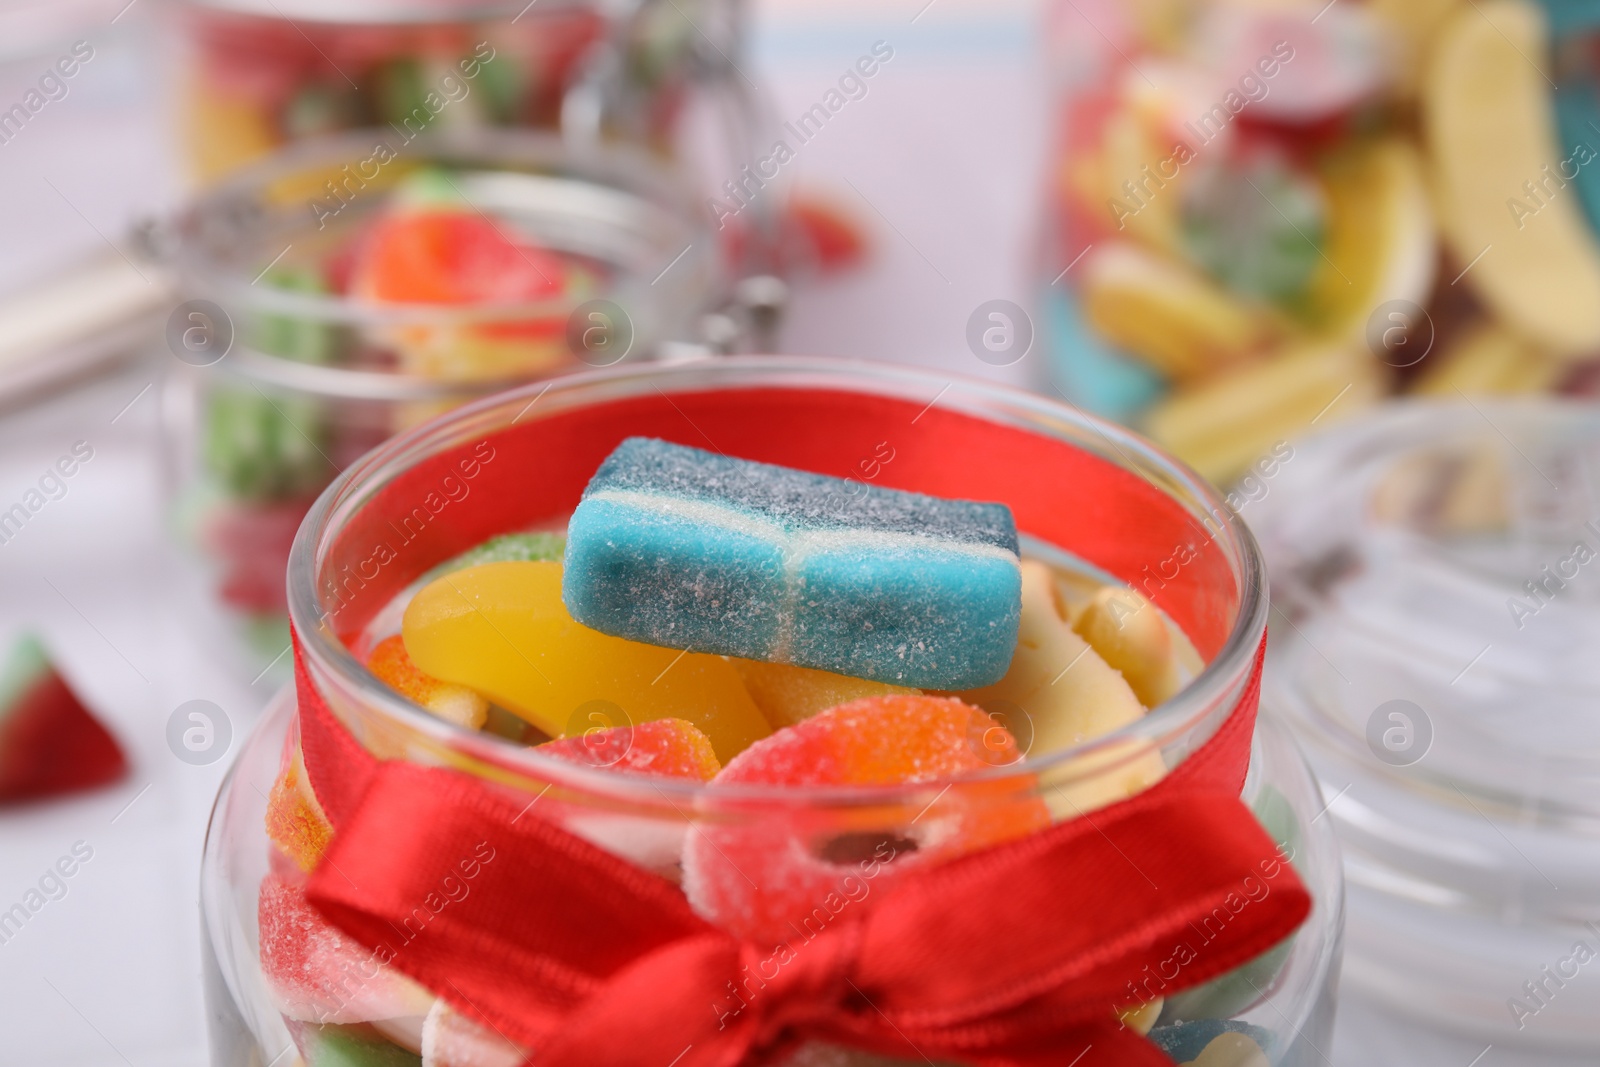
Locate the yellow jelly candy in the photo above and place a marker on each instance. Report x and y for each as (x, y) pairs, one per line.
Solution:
(296, 822)
(1141, 1017)
(1381, 244)
(1069, 695)
(1490, 127)
(1167, 314)
(786, 693)
(1224, 425)
(502, 630)
(1491, 359)
(1130, 634)
(225, 132)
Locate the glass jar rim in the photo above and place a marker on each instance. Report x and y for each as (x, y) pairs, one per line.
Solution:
(614, 185)
(1221, 681)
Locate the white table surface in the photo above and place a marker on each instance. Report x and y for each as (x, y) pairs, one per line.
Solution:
(942, 160)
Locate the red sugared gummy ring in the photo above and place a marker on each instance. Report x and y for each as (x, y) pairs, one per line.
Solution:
(782, 876)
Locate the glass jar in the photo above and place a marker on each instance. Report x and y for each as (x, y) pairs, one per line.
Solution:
(1433, 565)
(257, 74)
(961, 439)
(1266, 217)
(287, 370)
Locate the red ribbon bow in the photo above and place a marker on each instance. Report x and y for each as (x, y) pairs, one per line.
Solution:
(1014, 956)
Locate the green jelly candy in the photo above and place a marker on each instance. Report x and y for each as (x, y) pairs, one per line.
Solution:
(663, 36)
(402, 92)
(428, 187)
(507, 548)
(320, 109)
(352, 1046)
(1259, 232)
(1276, 816)
(299, 339)
(265, 449)
(499, 88)
(1232, 992)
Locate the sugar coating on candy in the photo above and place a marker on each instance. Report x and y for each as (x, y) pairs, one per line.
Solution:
(315, 973)
(525, 547)
(795, 498)
(50, 743)
(684, 548)
(295, 819)
(889, 740)
(778, 877)
(1187, 1042)
(671, 748)
(453, 703)
(450, 1039)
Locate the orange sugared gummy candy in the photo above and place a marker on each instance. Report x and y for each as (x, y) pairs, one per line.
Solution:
(882, 740)
(455, 703)
(673, 748)
(772, 876)
(295, 820)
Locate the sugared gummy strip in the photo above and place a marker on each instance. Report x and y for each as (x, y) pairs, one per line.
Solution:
(684, 548)
(49, 742)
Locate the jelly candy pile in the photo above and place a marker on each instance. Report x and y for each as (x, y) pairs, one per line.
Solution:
(719, 621)
(1273, 215)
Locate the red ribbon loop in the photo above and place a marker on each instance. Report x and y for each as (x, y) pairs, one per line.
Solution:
(1008, 956)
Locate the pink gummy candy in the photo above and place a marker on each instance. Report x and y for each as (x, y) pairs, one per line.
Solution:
(317, 974)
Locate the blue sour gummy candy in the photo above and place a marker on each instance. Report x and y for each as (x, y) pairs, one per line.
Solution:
(684, 548)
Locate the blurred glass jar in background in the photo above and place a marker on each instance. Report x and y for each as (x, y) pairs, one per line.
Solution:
(1268, 216)
(1438, 570)
(317, 325)
(257, 74)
